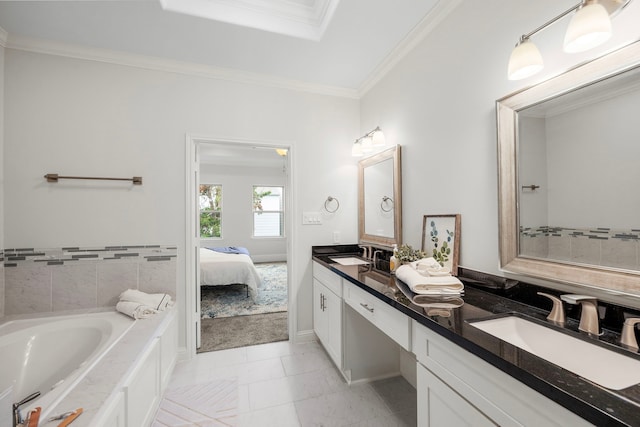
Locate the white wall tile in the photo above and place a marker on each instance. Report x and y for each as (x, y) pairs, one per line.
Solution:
(27, 289)
(115, 277)
(74, 286)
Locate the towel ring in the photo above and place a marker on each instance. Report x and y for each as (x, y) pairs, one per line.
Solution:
(385, 201)
(329, 200)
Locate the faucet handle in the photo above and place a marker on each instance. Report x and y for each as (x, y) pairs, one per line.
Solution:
(589, 318)
(365, 251)
(628, 336)
(557, 312)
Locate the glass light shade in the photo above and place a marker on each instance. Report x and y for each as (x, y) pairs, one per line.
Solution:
(525, 61)
(356, 149)
(281, 151)
(589, 27)
(367, 144)
(378, 139)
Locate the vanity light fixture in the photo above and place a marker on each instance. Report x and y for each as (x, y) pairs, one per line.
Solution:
(368, 142)
(589, 27)
(282, 151)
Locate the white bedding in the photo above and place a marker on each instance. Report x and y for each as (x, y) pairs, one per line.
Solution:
(219, 269)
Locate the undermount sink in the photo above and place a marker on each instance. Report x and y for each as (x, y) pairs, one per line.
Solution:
(597, 364)
(350, 261)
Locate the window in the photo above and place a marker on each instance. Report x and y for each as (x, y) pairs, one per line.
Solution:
(268, 211)
(210, 210)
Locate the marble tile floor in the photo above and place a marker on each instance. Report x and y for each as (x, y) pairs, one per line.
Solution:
(279, 384)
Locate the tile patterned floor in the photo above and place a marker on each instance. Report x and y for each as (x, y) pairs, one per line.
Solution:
(279, 384)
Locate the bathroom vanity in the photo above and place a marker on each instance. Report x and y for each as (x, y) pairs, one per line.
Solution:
(367, 322)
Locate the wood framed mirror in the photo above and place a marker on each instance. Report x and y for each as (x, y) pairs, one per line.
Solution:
(568, 171)
(380, 198)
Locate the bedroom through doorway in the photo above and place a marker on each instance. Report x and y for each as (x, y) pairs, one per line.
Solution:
(243, 274)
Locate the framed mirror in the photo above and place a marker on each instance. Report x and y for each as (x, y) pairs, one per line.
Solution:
(568, 151)
(380, 198)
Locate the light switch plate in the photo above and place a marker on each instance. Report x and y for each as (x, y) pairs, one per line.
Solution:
(311, 218)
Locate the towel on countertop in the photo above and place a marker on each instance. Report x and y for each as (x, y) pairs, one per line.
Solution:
(428, 285)
(430, 267)
(231, 250)
(158, 302)
(135, 309)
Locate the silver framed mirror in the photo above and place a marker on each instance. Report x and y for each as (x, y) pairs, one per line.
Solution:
(380, 198)
(567, 158)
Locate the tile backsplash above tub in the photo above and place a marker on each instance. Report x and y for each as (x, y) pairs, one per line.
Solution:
(45, 280)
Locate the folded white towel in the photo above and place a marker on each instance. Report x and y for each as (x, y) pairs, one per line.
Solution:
(438, 301)
(158, 302)
(135, 309)
(427, 285)
(430, 267)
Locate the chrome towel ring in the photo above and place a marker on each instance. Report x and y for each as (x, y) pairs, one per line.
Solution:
(328, 202)
(386, 201)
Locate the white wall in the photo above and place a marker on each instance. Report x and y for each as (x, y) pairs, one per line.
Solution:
(439, 104)
(2, 111)
(602, 141)
(80, 117)
(237, 215)
(532, 170)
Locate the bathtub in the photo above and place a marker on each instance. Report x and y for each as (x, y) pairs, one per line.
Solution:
(52, 354)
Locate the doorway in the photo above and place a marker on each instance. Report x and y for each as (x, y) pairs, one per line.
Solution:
(240, 197)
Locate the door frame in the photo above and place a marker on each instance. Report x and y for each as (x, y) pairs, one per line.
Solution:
(192, 235)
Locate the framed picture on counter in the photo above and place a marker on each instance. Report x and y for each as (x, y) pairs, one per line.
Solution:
(441, 239)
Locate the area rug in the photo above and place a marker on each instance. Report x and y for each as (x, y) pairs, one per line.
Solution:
(209, 404)
(231, 300)
(240, 331)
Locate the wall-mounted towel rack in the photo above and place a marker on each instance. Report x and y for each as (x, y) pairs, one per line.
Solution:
(54, 177)
(328, 201)
(388, 202)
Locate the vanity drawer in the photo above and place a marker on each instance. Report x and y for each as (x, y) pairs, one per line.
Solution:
(386, 318)
(328, 278)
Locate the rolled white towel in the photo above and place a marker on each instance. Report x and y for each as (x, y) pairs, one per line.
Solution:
(135, 309)
(420, 284)
(158, 302)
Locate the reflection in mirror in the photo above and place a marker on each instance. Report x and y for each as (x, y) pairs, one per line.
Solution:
(568, 150)
(379, 192)
(578, 167)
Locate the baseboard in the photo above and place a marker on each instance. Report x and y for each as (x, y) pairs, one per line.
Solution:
(304, 337)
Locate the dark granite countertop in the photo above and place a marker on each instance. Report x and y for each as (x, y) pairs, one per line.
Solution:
(594, 403)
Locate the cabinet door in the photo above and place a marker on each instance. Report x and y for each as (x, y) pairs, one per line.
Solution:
(333, 311)
(439, 405)
(320, 322)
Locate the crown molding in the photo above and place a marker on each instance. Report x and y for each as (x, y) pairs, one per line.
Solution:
(436, 15)
(3, 37)
(170, 66)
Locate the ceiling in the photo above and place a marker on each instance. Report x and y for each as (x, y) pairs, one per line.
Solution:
(350, 42)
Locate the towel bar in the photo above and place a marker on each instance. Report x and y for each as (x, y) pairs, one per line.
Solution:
(54, 177)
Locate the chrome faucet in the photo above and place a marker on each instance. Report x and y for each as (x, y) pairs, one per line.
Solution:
(628, 337)
(17, 416)
(589, 321)
(375, 257)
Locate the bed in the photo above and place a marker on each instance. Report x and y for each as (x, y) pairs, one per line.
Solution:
(228, 268)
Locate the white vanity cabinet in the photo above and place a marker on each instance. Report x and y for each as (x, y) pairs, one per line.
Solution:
(392, 322)
(327, 311)
(451, 378)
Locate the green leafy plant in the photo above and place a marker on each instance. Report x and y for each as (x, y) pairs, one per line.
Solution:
(406, 253)
(440, 254)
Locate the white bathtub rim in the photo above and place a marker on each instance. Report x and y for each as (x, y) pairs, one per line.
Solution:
(48, 403)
